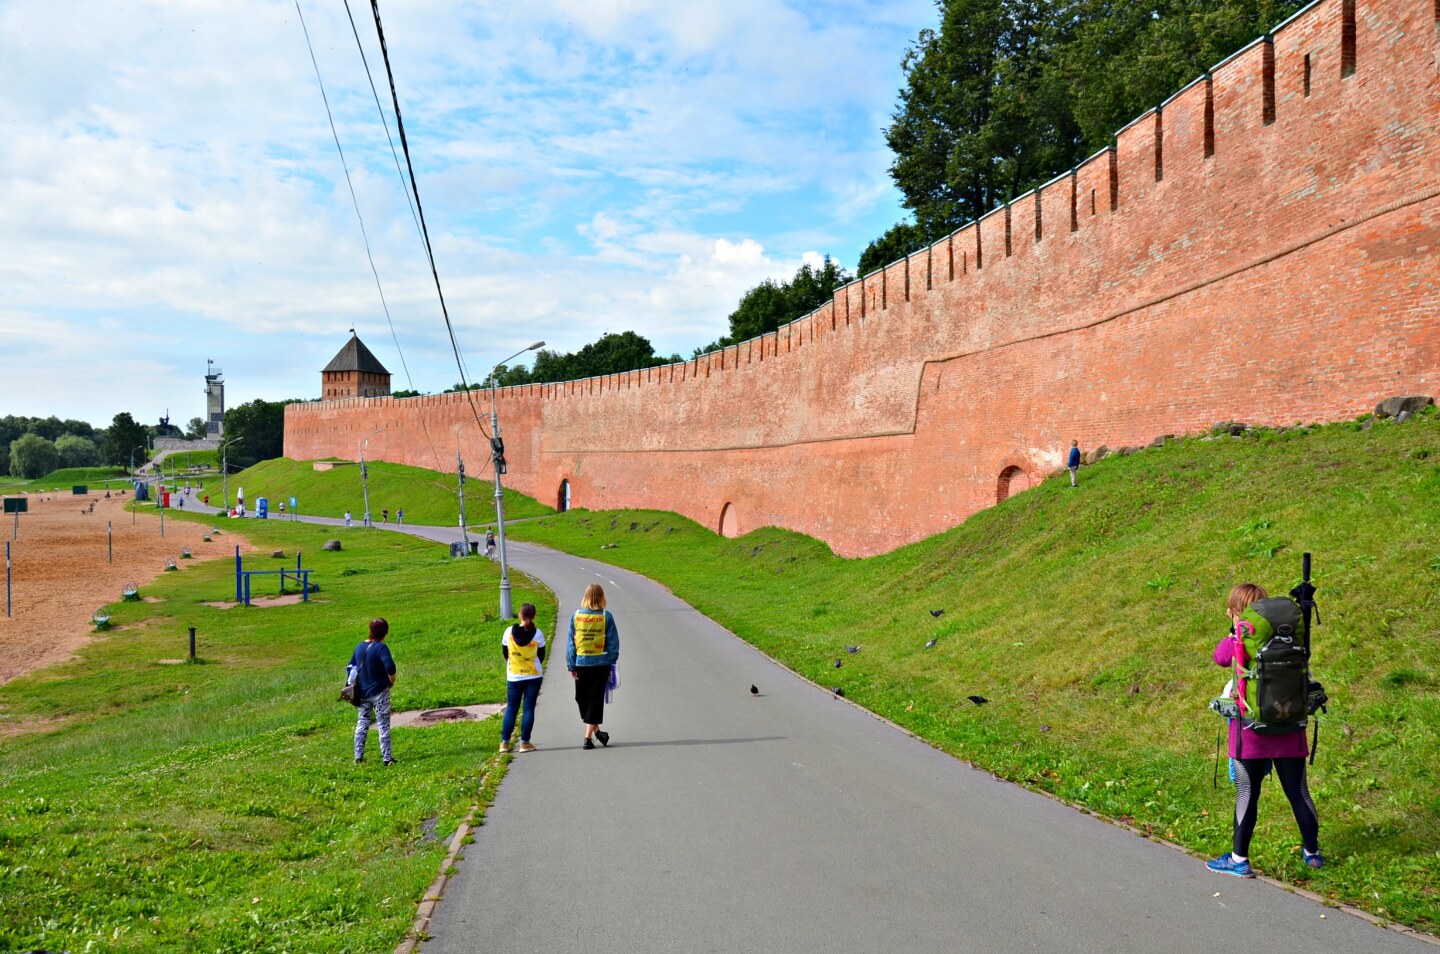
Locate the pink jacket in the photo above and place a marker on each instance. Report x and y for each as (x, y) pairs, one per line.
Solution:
(1252, 745)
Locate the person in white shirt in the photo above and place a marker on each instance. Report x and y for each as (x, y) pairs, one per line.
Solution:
(523, 646)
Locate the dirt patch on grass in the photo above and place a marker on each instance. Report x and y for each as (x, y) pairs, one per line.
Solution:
(289, 599)
(61, 574)
(423, 717)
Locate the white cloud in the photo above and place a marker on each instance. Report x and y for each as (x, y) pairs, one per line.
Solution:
(169, 188)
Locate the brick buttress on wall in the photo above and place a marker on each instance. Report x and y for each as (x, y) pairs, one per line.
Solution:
(1264, 246)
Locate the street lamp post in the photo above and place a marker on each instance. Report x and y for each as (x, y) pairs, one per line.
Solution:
(132, 456)
(225, 472)
(497, 453)
(365, 473)
(460, 484)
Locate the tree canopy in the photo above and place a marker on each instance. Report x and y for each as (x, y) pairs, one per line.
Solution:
(33, 456)
(1007, 94)
(610, 354)
(771, 304)
(258, 430)
(121, 440)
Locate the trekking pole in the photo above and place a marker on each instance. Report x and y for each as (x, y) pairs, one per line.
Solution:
(1304, 594)
(1215, 778)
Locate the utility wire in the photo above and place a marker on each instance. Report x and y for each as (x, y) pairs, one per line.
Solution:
(383, 120)
(420, 210)
(355, 201)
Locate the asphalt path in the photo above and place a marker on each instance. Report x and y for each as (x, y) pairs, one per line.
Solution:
(794, 821)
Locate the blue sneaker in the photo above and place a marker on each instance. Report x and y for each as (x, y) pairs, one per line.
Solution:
(1226, 864)
(1315, 860)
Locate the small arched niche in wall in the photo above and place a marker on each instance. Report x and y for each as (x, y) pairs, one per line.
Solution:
(1012, 481)
(562, 498)
(729, 522)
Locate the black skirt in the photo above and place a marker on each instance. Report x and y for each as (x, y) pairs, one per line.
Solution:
(590, 693)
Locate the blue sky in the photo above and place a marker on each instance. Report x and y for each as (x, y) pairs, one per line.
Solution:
(170, 191)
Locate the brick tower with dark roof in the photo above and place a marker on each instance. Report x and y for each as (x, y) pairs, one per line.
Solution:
(354, 372)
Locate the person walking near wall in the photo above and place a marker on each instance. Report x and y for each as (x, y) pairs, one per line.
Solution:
(1073, 462)
(523, 646)
(1255, 755)
(347, 518)
(375, 673)
(592, 648)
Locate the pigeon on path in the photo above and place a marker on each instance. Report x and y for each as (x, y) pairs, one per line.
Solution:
(839, 692)
(753, 690)
(978, 700)
(937, 613)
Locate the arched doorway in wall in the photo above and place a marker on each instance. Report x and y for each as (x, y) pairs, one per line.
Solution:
(729, 521)
(1012, 481)
(562, 499)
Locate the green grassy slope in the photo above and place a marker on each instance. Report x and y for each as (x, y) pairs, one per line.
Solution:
(427, 497)
(1087, 618)
(101, 478)
(216, 807)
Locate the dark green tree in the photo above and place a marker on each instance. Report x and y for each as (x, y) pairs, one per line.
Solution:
(195, 429)
(77, 451)
(1149, 51)
(1007, 94)
(983, 115)
(121, 439)
(33, 456)
(260, 425)
(772, 303)
(899, 240)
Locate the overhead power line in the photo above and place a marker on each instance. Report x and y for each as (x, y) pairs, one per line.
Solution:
(420, 211)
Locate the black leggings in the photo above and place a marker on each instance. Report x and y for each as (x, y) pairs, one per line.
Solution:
(590, 693)
(1249, 773)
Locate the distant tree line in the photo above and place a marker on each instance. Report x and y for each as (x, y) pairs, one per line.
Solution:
(32, 447)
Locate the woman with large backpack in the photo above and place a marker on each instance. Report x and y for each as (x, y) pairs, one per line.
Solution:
(591, 652)
(1255, 754)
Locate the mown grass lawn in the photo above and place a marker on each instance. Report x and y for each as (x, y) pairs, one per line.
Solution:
(97, 478)
(216, 806)
(426, 496)
(1086, 617)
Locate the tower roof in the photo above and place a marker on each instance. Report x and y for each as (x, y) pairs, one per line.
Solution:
(356, 357)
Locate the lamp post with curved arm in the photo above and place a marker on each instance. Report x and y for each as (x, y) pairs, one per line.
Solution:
(497, 453)
(225, 472)
(460, 483)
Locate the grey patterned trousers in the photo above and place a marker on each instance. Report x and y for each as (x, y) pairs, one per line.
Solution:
(376, 709)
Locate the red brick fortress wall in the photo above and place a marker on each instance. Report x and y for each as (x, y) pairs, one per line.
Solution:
(1263, 247)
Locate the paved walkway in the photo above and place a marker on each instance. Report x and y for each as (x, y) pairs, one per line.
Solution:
(793, 821)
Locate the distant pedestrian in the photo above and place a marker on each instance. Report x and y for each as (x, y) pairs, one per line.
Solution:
(282, 508)
(523, 646)
(489, 542)
(375, 674)
(384, 514)
(400, 517)
(1073, 462)
(347, 518)
(591, 651)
